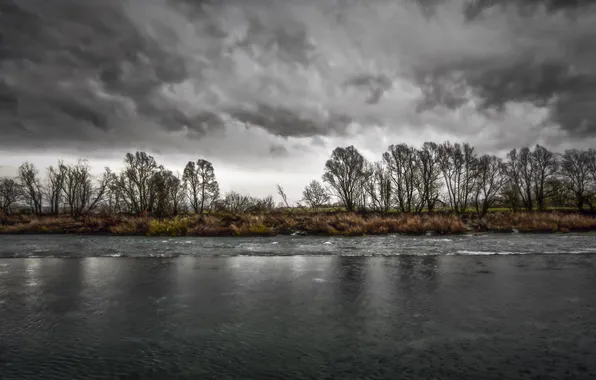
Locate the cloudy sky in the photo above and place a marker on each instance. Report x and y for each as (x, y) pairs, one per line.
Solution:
(265, 89)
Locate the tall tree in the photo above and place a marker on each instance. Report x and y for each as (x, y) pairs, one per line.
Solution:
(346, 174)
(202, 186)
(490, 180)
(458, 166)
(402, 165)
(135, 181)
(544, 167)
(10, 193)
(429, 185)
(176, 192)
(80, 193)
(519, 171)
(32, 189)
(575, 169)
(55, 186)
(379, 188)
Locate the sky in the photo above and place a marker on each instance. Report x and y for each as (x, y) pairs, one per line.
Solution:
(266, 89)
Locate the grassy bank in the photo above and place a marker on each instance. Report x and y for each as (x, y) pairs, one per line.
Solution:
(346, 224)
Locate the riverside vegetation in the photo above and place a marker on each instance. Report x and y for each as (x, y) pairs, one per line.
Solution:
(286, 223)
(441, 188)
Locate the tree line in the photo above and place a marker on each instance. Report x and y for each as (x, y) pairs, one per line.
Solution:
(454, 176)
(406, 179)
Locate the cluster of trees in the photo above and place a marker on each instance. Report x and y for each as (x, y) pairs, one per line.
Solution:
(455, 176)
(142, 186)
(407, 179)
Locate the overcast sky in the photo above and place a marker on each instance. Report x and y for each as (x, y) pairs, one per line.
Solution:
(265, 89)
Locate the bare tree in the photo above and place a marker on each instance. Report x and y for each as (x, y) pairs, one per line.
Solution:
(379, 188)
(458, 166)
(575, 165)
(202, 186)
(256, 204)
(29, 179)
(176, 192)
(77, 187)
(402, 165)
(100, 191)
(490, 180)
(315, 195)
(544, 167)
(134, 182)
(80, 194)
(429, 185)
(282, 194)
(10, 193)
(346, 174)
(235, 203)
(592, 164)
(114, 199)
(519, 170)
(55, 186)
(510, 193)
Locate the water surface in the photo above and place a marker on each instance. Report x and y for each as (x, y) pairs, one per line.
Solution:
(359, 309)
(120, 246)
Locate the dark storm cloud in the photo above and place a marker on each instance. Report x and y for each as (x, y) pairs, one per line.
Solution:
(99, 73)
(474, 7)
(71, 65)
(550, 62)
(376, 84)
(287, 123)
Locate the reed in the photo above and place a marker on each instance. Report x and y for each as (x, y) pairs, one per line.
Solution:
(309, 223)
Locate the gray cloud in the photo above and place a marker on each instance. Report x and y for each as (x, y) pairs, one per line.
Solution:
(545, 57)
(377, 85)
(175, 74)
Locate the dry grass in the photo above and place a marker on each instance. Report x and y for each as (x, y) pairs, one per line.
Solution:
(537, 222)
(346, 224)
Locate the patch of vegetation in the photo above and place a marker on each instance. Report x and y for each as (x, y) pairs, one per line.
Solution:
(267, 224)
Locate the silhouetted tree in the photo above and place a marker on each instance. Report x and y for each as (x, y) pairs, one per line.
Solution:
(346, 174)
(458, 166)
(544, 165)
(575, 169)
(379, 188)
(55, 186)
(404, 171)
(135, 182)
(491, 177)
(80, 194)
(202, 186)
(32, 190)
(10, 193)
(519, 170)
(429, 185)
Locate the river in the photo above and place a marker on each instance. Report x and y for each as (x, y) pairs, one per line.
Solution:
(510, 306)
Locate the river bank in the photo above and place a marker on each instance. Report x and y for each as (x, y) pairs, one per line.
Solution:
(271, 224)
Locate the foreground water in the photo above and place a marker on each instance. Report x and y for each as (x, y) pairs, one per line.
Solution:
(358, 309)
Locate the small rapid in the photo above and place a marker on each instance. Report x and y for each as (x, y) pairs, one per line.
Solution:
(72, 246)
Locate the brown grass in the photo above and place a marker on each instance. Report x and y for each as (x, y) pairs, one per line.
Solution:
(536, 222)
(346, 224)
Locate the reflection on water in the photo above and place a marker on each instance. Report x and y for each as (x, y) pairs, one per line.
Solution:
(418, 317)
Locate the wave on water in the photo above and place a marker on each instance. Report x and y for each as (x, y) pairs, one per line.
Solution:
(485, 253)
